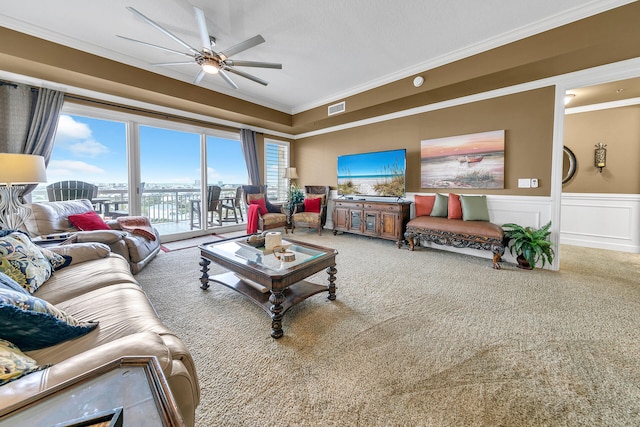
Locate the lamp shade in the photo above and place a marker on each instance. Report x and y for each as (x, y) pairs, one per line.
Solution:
(20, 169)
(291, 173)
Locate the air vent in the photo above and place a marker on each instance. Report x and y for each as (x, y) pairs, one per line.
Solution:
(337, 108)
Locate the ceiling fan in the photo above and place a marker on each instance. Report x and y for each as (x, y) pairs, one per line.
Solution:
(210, 61)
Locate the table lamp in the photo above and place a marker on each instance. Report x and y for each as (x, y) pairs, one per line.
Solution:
(17, 171)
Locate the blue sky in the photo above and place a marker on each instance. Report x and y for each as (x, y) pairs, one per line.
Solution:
(94, 150)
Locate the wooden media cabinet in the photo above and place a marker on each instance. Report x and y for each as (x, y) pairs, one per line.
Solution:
(385, 220)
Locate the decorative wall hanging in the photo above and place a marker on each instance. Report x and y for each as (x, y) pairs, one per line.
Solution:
(465, 161)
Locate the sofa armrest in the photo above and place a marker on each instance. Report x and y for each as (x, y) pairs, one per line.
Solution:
(108, 237)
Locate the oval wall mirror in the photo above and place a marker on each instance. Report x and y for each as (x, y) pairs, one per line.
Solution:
(569, 165)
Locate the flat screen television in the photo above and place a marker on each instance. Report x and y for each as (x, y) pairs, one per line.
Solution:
(380, 174)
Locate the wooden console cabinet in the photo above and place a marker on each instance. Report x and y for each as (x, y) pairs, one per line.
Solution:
(385, 220)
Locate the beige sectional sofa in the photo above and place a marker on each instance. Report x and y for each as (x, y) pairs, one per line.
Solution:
(52, 218)
(98, 286)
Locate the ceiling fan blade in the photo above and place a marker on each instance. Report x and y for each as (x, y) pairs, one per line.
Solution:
(207, 43)
(239, 63)
(242, 46)
(199, 77)
(227, 79)
(158, 27)
(157, 47)
(175, 63)
(247, 76)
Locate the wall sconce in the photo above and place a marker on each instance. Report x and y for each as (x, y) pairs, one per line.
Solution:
(17, 171)
(600, 157)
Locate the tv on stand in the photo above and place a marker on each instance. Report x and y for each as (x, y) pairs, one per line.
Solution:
(373, 174)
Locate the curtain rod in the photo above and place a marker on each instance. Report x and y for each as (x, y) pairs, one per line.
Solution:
(149, 112)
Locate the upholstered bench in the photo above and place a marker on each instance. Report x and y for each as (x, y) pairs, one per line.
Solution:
(443, 227)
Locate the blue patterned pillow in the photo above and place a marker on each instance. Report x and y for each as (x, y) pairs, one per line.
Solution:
(32, 323)
(7, 282)
(14, 363)
(23, 261)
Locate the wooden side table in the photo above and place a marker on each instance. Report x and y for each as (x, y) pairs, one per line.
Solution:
(135, 386)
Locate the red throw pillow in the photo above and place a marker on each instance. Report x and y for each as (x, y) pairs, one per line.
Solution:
(88, 221)
(262, 206)
(424, 204)
(455, 207)
(312, 205)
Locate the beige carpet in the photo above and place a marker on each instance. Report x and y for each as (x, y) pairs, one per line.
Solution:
(424, 338)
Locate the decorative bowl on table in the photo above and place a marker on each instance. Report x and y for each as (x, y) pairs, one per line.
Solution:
(255, 240)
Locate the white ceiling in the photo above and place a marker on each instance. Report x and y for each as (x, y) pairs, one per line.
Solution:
(329, 48)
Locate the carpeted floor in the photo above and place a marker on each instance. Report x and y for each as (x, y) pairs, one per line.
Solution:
(424, 338)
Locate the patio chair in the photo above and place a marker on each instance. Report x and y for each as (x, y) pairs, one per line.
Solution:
(71, 190)
(234, 206)
(302, 217)
(213, 205)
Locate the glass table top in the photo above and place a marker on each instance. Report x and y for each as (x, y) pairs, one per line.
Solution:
(265, 258)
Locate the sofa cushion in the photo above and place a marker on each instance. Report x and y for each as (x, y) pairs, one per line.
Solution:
(484, 229)
(424, 204)
(22, 260)
(81, 252)
(454, 208)
(474, 208)
(440, 206)
(88, 221)
(32, 323)
(14, 363)
(53, 217)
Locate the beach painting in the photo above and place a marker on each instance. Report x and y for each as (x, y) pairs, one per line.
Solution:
(464, 161)
(372, 174)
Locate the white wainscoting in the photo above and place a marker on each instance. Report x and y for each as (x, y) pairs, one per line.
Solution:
(526, 211)
(604, 221)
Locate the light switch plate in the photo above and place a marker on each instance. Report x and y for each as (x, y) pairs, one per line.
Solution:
(524, 183)
(534, 182)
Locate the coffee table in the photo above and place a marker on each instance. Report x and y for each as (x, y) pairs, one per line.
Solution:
(273, 284)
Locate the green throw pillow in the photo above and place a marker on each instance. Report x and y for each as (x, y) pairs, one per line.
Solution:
(440, 206)
(474, 208)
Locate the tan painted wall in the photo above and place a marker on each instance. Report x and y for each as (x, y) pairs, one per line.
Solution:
(527, 118)
(619, 128)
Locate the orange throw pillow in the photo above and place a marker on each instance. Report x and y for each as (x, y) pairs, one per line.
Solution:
(424, 204)
(455, 207)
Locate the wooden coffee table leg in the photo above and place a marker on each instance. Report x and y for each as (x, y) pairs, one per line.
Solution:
(204, 279)
(332, 286)
(276, 299)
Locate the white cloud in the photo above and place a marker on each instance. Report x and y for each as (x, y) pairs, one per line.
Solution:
(69, 129)
(88, 148)
(71, 168)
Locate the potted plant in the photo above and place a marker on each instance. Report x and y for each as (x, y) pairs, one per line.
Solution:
(531, 246)
(295, 196)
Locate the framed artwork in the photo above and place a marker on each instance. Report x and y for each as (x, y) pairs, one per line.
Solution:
(464, 161)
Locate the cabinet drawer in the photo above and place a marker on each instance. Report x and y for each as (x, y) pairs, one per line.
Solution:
(383, 207)
(349, 205)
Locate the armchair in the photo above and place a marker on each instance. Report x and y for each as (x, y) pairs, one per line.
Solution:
(302, 217)
(275, 216)
(49, 218)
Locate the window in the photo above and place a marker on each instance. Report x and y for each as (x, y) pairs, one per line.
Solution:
(276, 163)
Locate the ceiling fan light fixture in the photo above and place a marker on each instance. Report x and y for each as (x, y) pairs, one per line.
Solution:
(210, 66)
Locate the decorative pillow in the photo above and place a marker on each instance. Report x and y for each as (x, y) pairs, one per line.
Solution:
(81, 252)
(14, 363)
(454, 208)
(22, 260)
(32, 323)
(474, 208)
(440, 205)
(57, 261)
(7, 282)
(424, 204)
(88, 221)
(317, 196)
(312, 204)
(262, 206)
